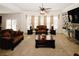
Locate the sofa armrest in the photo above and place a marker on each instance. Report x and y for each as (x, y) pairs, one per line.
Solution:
(7, 38)
(17, 39)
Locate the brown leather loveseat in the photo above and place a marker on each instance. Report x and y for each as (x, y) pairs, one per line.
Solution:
(41, 29)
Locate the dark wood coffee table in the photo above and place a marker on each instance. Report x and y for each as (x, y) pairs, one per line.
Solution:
(49, 42)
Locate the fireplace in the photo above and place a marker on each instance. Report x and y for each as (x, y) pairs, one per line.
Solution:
(77, 34)
(71, 33)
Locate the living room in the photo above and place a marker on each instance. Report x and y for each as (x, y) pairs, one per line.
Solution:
(22, 17)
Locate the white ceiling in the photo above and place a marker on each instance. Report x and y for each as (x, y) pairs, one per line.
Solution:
(31, 7)
(35, 6)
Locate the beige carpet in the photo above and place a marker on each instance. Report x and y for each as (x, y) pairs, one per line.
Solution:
(64, 47)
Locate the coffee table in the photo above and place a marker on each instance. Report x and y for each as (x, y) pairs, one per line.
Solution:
(49, 42)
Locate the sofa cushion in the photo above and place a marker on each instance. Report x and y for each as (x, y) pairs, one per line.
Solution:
(6, 34)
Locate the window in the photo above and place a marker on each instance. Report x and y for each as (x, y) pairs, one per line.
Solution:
(11, 24)
(29, 22)
(41, 20)
(48, 22)
(55, 22)
(14, 24)
(36, 21)
(8, 24)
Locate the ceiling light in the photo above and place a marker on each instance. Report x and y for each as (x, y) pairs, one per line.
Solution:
(43, 12)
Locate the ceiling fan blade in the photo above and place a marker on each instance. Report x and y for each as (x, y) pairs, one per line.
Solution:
(47, 8)
(40, 8)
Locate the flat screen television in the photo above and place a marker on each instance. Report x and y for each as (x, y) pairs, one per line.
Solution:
(0, 19)
(73, 15)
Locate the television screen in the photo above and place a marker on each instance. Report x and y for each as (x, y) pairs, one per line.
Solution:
(73, 15)
(0, 19)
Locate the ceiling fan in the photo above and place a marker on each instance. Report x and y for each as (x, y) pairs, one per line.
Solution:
(43, 10)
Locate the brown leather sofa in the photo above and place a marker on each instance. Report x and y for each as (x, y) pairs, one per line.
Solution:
(10, 39)
(41, 29)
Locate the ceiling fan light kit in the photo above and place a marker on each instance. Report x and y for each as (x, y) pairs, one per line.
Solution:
(43, 12)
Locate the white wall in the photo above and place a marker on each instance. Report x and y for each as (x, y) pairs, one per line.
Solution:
(75, 5)
(21, 21)
(50, 12)
(60, 17)
(59, 23)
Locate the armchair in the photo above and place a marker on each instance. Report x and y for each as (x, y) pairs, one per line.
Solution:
(30, 31)
(52, 31)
